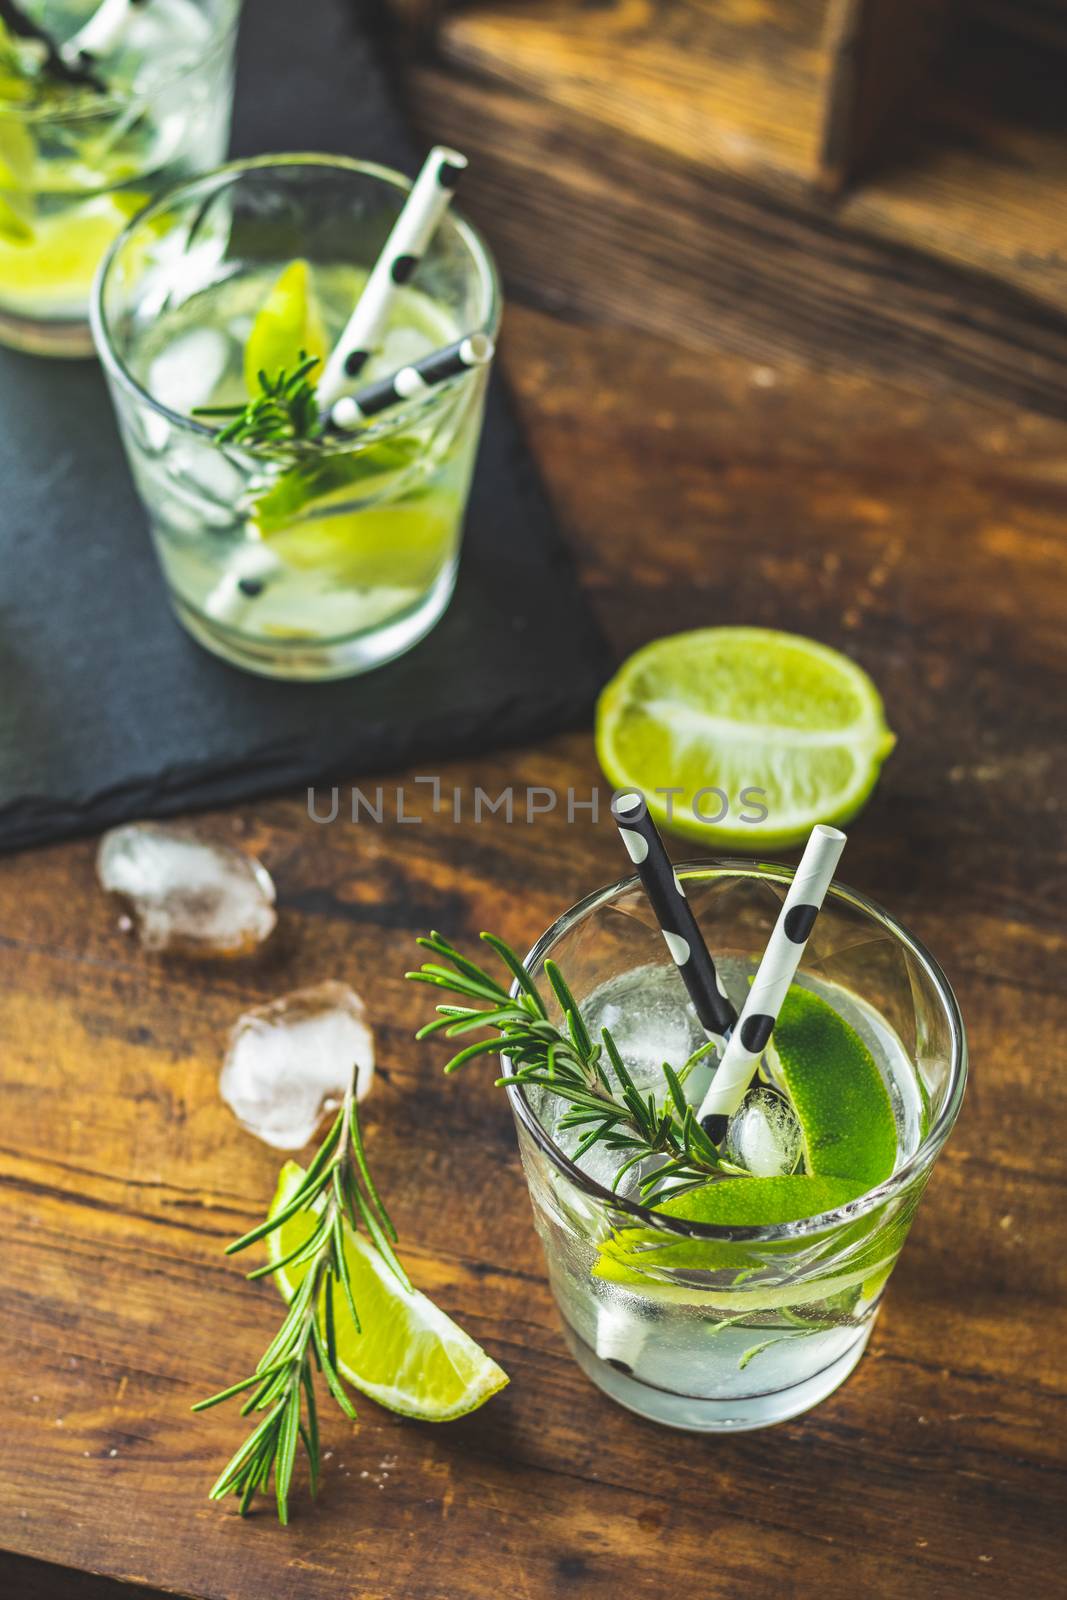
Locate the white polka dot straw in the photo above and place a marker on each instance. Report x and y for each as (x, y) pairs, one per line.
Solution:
(250, 572)
(678, 925)
(99, 34)
(774, 975)
(412, 231)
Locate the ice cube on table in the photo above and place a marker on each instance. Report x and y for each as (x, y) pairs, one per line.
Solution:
(188, 895)
(763, 1135)
(290, 1062)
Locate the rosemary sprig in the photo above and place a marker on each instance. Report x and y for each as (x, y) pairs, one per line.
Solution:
(567, 1062)
(339, 1188)
(284, 412)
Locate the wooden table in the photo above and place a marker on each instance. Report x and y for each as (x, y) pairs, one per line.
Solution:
(922, 534)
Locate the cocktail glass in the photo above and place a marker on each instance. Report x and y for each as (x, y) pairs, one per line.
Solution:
(309, 574)
(76, 166)
(725, 1329)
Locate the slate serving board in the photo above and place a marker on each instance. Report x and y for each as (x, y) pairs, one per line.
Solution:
(107, 709)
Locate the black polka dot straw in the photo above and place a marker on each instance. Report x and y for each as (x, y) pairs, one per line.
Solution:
(412, 231)
(774, 975)
(476, 350)
(678, 925)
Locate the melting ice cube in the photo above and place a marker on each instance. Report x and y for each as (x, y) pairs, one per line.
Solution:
(184, 375)
(764, 1135)
(289, 1062)
(188, 895)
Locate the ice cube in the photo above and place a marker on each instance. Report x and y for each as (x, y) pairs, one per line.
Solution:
(290, 1062)
(763, 1135)
(186, 372)
(188, 895)
(651, 1023)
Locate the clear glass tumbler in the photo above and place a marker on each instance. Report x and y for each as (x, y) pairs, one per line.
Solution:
(315, 566)
(77, 164)
(725, 1329)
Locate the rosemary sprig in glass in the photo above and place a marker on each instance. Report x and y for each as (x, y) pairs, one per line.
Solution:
(284, 423)
(566, 1061)
(339, 1188)
(285, 412)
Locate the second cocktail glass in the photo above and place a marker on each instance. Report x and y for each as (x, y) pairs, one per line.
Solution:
(712, 1328)
(337, 567)
(78, 160)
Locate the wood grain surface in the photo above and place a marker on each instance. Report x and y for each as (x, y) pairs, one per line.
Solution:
(681, 140)
(925, 536)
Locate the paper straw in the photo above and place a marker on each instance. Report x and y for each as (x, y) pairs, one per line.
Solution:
(773, 978)
(677, 923)
(69, 71)
(476, 350)
(250, 572)
(414, 228)
(97, 36)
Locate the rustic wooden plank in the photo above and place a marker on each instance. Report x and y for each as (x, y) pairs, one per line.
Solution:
(879, 55)
(977, 175)
(924, 534)
(735, 87)
(702, 258)
(684, 139)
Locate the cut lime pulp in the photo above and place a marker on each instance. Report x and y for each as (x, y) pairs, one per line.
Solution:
(410, 1356)
(738, 720)
(287, 327)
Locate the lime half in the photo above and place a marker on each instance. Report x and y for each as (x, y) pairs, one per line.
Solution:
(743, 723)
(410, 1357)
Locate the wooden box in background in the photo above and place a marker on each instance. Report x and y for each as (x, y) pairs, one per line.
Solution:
(880, 183)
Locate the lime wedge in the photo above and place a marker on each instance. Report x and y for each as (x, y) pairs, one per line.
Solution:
(16, 219)
(18, 158)
(637, 1258)
(410, 1357)
(345, 516)
(393, 547)
(288, 322)
(769, 719)
(840, 1098)
(57, 260)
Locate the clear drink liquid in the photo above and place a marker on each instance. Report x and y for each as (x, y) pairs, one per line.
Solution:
(360, 548)
(771, 1334)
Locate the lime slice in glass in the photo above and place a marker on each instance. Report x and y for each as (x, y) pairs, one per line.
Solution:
(769, 719)
(410, 1357)
(637, 1258)
(288, 323)
(840, 1098)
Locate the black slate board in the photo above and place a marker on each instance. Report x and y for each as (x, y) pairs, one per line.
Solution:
(107, 709)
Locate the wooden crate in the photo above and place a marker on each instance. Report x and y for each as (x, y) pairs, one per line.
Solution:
(876, 182)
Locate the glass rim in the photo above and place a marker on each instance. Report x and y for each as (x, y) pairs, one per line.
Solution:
(228, 173)
(923, 1156)
(111, 104)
